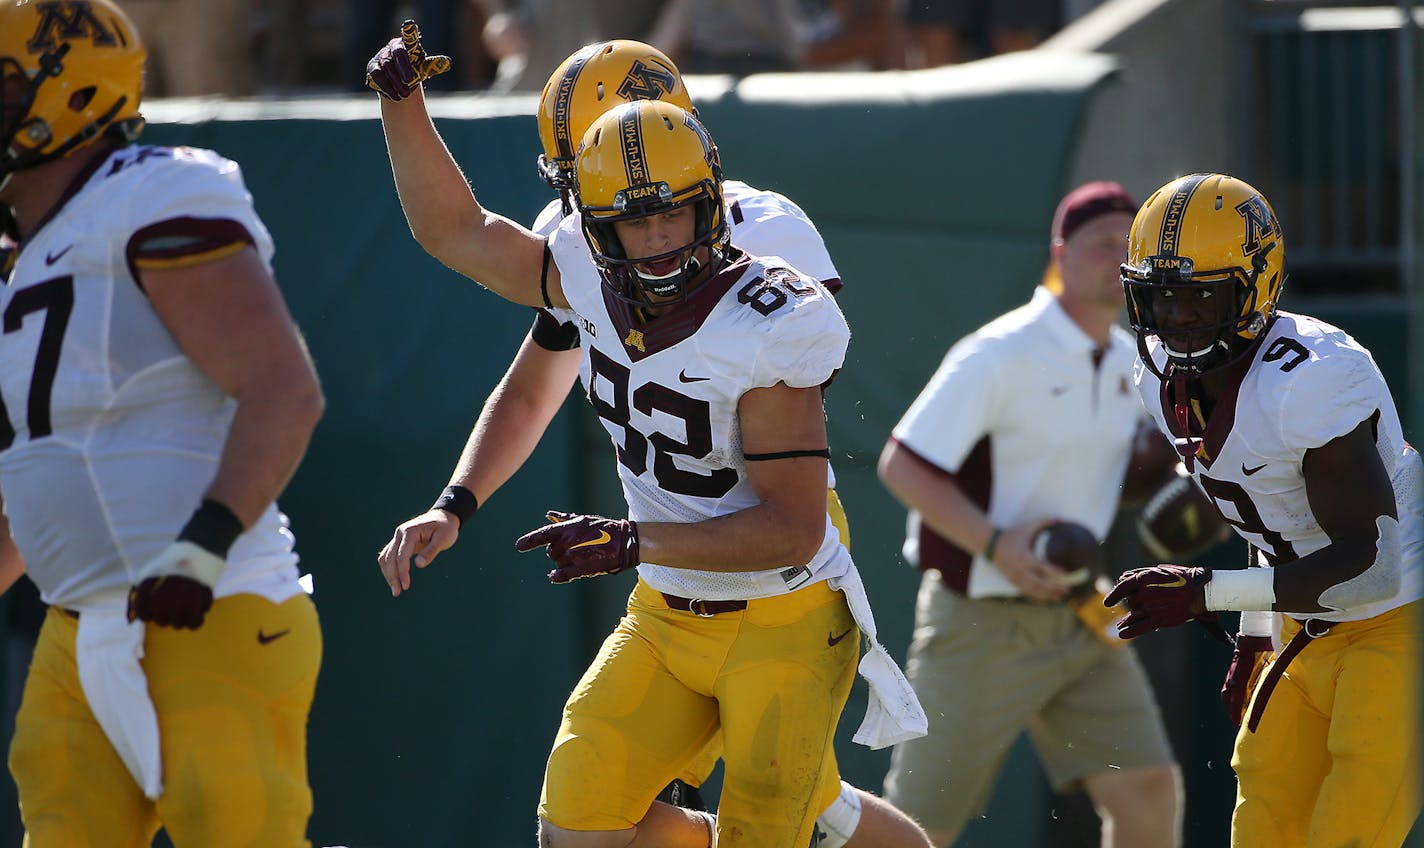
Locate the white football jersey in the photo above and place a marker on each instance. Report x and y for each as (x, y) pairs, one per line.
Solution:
(667, 392)
(763, 223)
(110, 434)
(1307, 383)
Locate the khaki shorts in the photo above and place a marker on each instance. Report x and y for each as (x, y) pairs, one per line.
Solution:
(987, 670)
(772, 678)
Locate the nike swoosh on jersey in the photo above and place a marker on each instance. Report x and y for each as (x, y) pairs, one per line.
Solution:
(1249, 471)
(1180, 581)
(682, 375)
(833, 641)
(51, 258)
(603, 537)
(265, 638)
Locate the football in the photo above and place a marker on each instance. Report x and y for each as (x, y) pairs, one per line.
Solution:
(1071, 547)
(1179, 521)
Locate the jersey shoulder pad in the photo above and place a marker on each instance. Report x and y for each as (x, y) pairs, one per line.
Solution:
(765, 223)
(1319, 381)
(182, 182)
(803, 333)
(549, 218)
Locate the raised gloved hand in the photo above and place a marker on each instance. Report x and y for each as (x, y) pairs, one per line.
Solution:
(1160, 596)
(584, 545)
(1248, 661)
(175, 588)
(399, 67)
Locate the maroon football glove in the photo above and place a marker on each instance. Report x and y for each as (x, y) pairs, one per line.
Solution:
(1247, 662)
(399, 67)
(584, 545)
(1160, 596)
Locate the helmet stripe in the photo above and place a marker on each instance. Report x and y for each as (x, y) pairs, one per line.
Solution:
(635, 155)
(564, 101)
(1171, 234)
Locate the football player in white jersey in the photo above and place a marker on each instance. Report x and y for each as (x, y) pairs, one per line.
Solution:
(589, 82)
(712, 361)
(155, 397)
(1287, 424)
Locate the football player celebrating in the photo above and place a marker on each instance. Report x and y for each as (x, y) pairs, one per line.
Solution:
(156, 397)
(588, 83)
(676, 325)
(1287, 424)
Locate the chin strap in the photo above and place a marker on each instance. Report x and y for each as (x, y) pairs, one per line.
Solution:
(1187, 445)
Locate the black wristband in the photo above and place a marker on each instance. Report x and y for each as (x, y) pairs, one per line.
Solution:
(213, 528)
(993, 543)
(459, 502)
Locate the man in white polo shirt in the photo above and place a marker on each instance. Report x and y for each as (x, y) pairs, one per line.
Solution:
(1028, 420)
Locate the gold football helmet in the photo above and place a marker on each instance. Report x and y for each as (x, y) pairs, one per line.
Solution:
(645, 158)
(1206, 236)
(72, 70)
(589, 83)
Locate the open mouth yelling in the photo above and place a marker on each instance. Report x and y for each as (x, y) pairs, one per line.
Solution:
(660, 270)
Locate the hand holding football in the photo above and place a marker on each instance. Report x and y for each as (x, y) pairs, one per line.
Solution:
(1071, 547)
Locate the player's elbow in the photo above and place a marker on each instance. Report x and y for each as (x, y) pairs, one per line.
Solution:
(299, 396)
(802, 539)
(892, 467)
(309, 405)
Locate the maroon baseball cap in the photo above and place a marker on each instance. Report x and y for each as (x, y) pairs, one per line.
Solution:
(1089, 201)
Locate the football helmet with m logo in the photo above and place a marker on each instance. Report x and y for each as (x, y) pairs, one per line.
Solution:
(71, 70)
(1209, 237)
(589, 83)
(646, 158)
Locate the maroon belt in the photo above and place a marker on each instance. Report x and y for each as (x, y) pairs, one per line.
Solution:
(699, 607)
(1310, 630)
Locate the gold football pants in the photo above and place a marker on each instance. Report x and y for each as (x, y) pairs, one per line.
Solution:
(772, 678)
(1335, 759)
(706, 760)
(232, 700)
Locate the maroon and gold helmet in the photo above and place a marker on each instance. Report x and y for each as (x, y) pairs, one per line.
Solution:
(645, 158)
(593, 80)
(73, 70)
(1211, 236)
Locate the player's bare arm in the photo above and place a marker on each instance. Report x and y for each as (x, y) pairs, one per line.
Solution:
(1349, 490)
(440, 207)
(12, 564)
(229, 318)
(1352, 499)
(513, 419)
(787, 526)
(943, 506)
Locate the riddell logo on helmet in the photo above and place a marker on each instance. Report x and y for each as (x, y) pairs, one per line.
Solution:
(65, 21)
